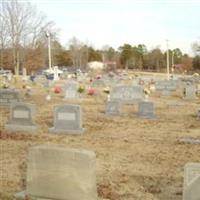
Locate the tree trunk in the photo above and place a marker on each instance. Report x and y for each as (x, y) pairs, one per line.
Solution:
(1, 64)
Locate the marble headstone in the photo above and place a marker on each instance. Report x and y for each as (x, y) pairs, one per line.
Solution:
(8, 96)
(57, 172)
(71, 90)
(190, 92)
(191, 181)
(113, 108)
(21, 117)
(67, 119)
(127, 94)
(146, 110)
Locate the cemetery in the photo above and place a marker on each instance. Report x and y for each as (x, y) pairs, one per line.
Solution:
(114, 115)
(132, 145)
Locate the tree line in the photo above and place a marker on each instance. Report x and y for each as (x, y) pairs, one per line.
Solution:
(23, 44)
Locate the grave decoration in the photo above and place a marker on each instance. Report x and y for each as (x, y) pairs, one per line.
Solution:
(91, 91)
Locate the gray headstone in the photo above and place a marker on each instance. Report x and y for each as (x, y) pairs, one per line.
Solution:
(113, 108)
(146, 110)
(67, 119)
(21, 117)
(8, 96)
(98, 83)
(166, 87)
(71, 88)
(127, 94)
(57, 172)
(190, 92)
(191, 181)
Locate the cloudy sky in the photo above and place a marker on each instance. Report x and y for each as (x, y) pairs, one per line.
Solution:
(115, 22)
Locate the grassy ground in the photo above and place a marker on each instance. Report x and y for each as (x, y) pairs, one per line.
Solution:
(137, 159)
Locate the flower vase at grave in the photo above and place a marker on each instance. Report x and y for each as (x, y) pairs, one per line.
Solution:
(57, 89)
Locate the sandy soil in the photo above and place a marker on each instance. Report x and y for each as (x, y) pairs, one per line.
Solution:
(137, 159)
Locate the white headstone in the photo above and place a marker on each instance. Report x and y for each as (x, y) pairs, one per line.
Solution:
(191, 181)
(57, 172)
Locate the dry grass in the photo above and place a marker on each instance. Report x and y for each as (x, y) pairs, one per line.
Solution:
(137, 159)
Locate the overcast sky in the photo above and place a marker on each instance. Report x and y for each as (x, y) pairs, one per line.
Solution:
(115, 22)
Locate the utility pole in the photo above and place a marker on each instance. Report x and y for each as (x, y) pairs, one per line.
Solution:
(168, 75)
(49, 48)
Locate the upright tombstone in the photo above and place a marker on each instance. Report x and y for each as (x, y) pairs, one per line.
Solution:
(191, 181)
(67, 119)
(98, 83)
(57, 172)
(166, 87)
(146, 110)
(21, 117)
(113, 108)
(127, 94)
(8, 96)
(189, 92)
(71, 90)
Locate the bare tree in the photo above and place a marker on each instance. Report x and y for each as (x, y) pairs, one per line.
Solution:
(25, 28)
(3, 35)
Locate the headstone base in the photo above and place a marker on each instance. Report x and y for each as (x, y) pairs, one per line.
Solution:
(13, 127)
(153, 117)
(69, 132)
(23, 196)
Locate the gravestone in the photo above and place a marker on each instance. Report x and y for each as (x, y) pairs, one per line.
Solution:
(127, 94)
(71, 90)
(98, 83)
(191, 181)
(146, 110)
(189, 92)
(8, 96)
(113, 108)
(21, 117)
(67, 119)
(57, 172)
(166, 87)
